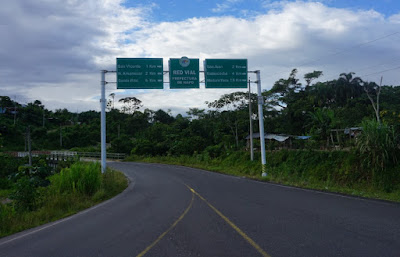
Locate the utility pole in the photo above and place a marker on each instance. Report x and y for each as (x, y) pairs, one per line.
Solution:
(28, 135)
(77, 116)
(261, 123)
(251, 125)
(26, 141)
(60, 135)
(15, 109)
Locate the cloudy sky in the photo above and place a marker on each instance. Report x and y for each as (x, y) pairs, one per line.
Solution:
(53, 50)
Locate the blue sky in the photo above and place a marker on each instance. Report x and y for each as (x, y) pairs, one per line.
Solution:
(178, 10)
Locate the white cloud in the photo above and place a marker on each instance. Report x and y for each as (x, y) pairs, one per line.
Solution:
(53, 50)
(395, 19)
(226, 5)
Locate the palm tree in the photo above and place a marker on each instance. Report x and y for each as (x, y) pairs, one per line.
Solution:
(348, 87)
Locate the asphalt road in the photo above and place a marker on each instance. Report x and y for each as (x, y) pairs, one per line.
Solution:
(178, 211)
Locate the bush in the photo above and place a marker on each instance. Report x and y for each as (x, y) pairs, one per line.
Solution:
(74, 189)
(24, 194)
(5, 183)
(113, 182)
(122, 144)
(214, 151)
(80, 177)
(9, 165)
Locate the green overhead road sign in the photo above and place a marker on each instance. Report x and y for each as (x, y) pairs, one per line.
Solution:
(184, 73)
(140, 73)
(225, 73)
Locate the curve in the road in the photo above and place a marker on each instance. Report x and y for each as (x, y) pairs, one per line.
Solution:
(161, 216)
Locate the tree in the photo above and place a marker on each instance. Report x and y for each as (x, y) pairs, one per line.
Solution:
(5, 101)
(311, 76)
(32, 114)
(230, 101)
(163, 117)
(63, 115)
(112, 95)
(372, 88)
(110, 102)
(122, 145)
(290, 100)
(109, 105)
(149, 114)
(235, 103)
(348, 87)
(196, 113)
(322, 121)
(131, 104)
(284, 90)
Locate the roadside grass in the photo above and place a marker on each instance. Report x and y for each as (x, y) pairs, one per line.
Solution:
(334, 171)
(70, 191)
(4, 193)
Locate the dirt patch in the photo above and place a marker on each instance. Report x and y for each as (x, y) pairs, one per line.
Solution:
(5, 201)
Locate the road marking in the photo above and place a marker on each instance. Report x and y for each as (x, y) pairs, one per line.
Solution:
(240, 232)
(169, 229)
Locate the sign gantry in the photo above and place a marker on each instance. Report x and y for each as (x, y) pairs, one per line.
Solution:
(140, 73)
(184, 73)
(148, 73)
(225, 73)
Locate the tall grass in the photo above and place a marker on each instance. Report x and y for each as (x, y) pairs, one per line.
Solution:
(378, 148)
(73, 189)
(80, 177)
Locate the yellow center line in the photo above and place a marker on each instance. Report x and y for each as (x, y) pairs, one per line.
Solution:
(169, 229)
(238, 230)
(230, 223)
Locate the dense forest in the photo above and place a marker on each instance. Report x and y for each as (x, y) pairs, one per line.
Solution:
(357, 117)
(291, 108)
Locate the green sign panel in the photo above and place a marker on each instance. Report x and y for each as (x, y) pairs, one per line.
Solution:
(225, 73)
(140, 73)
(184, 73)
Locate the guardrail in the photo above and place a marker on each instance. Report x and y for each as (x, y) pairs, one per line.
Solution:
(117, 156)
(64, 155)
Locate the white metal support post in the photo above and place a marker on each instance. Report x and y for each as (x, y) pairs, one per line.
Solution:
(261, 123)
(251, 125)
(103, 121)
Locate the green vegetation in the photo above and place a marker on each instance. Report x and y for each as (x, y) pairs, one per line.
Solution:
(332, 171)
(73, 189)
(378, 146)
(313, 108)
(361, 161)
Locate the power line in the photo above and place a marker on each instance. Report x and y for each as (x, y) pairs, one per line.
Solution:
(380, 72)
(369, 67)
(341, 52)
(374, 66)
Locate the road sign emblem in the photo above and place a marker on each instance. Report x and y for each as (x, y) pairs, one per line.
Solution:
(184, 61)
